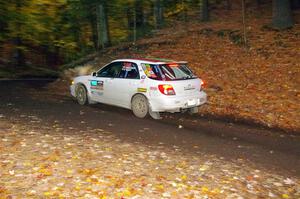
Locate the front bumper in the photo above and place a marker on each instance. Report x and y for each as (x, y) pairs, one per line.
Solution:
(72, 89)
(175, 103)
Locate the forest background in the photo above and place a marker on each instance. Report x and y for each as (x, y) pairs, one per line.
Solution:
(50, 33)
(247, 51)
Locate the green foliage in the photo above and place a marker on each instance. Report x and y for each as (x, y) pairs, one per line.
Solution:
(64, 30)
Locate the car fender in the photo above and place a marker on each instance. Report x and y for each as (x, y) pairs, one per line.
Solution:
(147, 97)
(84, 80)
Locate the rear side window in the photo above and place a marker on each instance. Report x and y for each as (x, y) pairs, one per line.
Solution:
(152, 71)
(168, 72)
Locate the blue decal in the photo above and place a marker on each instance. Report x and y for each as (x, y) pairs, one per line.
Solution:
(94, 83)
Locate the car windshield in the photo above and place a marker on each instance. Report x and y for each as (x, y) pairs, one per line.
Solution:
(168, 72)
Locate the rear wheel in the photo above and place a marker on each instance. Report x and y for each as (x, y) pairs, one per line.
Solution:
(140, 106)
(193, 110)
(81, 95)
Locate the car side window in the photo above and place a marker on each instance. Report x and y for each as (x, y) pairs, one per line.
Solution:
(112, 70)
(129, 71)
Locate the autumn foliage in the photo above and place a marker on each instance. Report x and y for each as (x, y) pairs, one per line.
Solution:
(259, 82)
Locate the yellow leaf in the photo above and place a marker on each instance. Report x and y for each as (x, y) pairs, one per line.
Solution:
(88, 180)
(285, 196)
(216, 191)
(160, 187)
(46, 172)
(30, 193)
(27, 164)
(126, 192)
(204, 168)
(69, 171)
(77, 187)
(204, 190)
(47, 193)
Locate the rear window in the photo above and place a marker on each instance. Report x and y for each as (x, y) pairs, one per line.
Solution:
(168, 72)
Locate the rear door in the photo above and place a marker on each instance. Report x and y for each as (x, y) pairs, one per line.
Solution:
(126, 84)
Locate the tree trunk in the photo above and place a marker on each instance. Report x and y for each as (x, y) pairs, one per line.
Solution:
(295, 4)
(158, 14)
(205, 11)
(228, 5)
(282, 14)
(134, 26)
(244, 21)
(139, 12)
(18, 56)
(258, 3)
(102, 26)
(4, 18)
(145, 18)
(184, 11)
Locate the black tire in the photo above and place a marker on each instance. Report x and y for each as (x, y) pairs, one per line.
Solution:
(81, 95)
(193, 110)
(140, 106)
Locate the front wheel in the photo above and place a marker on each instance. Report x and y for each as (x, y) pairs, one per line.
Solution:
(81, 95)
(140, 106)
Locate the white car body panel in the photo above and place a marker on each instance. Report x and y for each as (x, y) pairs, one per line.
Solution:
(119, 91)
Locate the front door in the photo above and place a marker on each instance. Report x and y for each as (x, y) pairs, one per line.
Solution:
(115, 84)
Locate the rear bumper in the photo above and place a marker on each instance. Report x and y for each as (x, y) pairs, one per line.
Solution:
(175, 103)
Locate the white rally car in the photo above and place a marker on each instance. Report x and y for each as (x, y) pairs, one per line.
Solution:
(146, 86)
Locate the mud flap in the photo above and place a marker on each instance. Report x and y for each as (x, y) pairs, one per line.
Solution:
(193, 110)
(154, 115)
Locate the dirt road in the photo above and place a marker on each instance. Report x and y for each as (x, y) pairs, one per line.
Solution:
(53, 147)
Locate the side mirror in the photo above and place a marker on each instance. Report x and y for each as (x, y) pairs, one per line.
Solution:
(94, 74)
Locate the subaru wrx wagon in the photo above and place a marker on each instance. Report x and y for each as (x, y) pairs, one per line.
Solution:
(146, 86)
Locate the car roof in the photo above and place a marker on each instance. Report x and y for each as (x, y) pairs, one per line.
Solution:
(150, 61)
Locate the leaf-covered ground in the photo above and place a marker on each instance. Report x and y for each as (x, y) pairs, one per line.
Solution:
(259, 83)
(56, 161)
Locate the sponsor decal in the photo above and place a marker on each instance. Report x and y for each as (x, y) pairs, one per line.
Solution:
(96, 85)
(142, 90)
(153, 88)
(99, 93)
